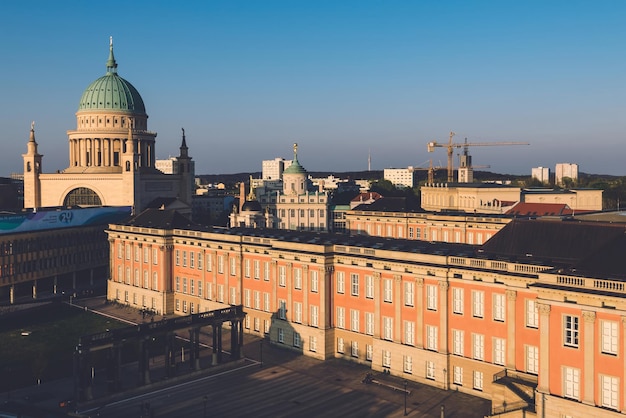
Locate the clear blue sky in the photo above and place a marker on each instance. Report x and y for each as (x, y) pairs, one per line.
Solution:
(246, 79)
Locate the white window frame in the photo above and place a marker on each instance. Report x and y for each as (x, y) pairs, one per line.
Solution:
(314, 281)
(369, 352)
(499, 307)
(408, 364)
(388, 290)
(431, 337)
(341, 348)
(354, 320)
(430, 370)
(571, 331)
(409, 332)
(609, 388)
(388, 328)
(354, 284)
(341, 317)
(457, 300)
(532, 314)
(386, 358)
(369, 323)
(409, 293)
(369, 287)
(431, 297)
(457, 375)
(478, 303)
(313, 343)
(341, 282)
(282, 276)
(478, 346)
(571, 383)
(610, 337)
(499, 351)
(458, 347)
(297, 279)
(478, 380)
(532, 359)
(282, 309)
(297, 312)
(314, 315)
(354, 349)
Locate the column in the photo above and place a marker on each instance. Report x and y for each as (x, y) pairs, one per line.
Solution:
(588, 377)
(511, 297)
(377, 301)
(544, 348)
(35, 289)
(397, 298)
(419, 326)
(214, 354)
(326, 301)
(443, 316)
(305, 293)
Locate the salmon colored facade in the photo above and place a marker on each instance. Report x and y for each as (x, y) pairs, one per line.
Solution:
(535, 342)
(463, 229)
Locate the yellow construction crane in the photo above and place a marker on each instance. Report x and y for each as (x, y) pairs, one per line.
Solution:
(431, 171)
(450, 146)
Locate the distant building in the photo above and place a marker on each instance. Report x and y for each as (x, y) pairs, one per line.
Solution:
(400, 177)
(542, 174)
(563, 170)
(576, 199)
(469, 197)
(273, 169)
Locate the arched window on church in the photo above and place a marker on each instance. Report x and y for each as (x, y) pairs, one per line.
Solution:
(127, 165)
(28, 168)
(82, 196)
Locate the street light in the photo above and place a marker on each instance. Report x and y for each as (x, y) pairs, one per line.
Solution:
(405, 397)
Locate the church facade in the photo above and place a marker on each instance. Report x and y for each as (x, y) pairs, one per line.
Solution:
(111, 154)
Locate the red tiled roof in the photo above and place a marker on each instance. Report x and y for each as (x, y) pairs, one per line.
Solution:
(540, 209)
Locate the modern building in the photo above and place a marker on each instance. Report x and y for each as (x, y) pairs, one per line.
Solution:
(565, 170)
(111, 154)
(46, 252)
(532, 320)
(273, 169)
(400, 177)
(542, 174)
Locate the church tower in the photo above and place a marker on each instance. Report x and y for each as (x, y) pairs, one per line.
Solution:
(186, 170)
(32, 169)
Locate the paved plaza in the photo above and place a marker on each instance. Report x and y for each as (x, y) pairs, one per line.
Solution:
(286, 384)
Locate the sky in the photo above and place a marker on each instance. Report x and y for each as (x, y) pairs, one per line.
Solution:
(343, 79)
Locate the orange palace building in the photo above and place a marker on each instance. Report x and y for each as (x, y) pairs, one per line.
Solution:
(533, 320)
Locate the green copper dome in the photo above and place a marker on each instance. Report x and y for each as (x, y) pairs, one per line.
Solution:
(111, 92)
(295, 167)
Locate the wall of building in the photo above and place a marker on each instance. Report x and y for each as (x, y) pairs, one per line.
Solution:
(458, 322)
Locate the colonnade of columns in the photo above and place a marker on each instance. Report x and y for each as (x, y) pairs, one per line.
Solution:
(83, 358)
(106, 152)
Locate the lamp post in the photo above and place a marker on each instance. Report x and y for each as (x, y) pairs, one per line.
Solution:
(405, 398)
(261, 352)
(205, 399)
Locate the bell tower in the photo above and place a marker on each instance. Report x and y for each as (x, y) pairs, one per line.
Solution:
(32, 170)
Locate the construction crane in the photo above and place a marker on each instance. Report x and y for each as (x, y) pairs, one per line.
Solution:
(450, 146)
(431, 171)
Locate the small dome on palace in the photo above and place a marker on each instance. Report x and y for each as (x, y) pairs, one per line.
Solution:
(111, 92)
(252, 206)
